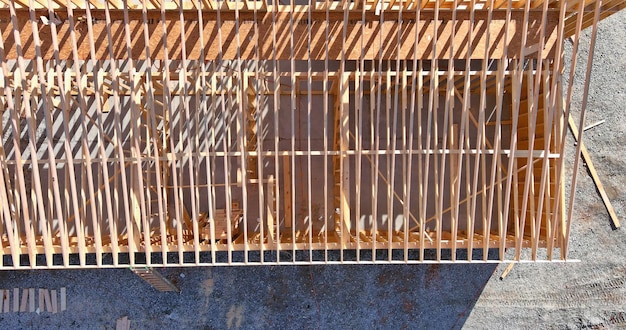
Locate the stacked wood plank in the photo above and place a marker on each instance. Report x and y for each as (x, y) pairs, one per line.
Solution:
(45, 301)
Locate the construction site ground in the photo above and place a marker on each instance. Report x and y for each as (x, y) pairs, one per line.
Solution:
(589, 293)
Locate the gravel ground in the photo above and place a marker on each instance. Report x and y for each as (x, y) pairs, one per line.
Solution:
(591, 293)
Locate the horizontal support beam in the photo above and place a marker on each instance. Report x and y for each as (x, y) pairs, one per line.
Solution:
(333, 243)
(292, 263)
(14, 80)
(379, 39)
(524, 154)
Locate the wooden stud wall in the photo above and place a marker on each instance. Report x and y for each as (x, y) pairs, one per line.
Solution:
(138, 133)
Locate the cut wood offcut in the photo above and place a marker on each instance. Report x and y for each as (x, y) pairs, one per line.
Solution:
(46, 300)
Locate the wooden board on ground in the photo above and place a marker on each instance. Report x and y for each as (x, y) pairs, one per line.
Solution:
(24, 302)
(31, 302)
(16, 299)
(594, 175)
(41, 300)
(54, 301)
(63, 300)
(7, 301)
(46, 299)
(122, 323)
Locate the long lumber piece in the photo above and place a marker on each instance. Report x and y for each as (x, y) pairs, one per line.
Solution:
(594, 175)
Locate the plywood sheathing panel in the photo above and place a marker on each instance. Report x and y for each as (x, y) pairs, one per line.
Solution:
(376, 35)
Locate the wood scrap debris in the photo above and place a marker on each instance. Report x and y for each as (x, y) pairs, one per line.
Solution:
(16, 299)
(24, 301)
(63, 300)
(31, 300)
(598, 123)
(7, 301)
(54, 302)
(41, 300)
(122, 323)
(47, 300)
(507, 271)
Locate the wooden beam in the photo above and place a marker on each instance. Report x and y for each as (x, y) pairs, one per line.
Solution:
(288, 207)
(271, 213)
(344, 165)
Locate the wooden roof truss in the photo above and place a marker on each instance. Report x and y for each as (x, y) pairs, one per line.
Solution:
(187, 133)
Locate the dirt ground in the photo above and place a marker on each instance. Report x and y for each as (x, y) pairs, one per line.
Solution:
(586, 294)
